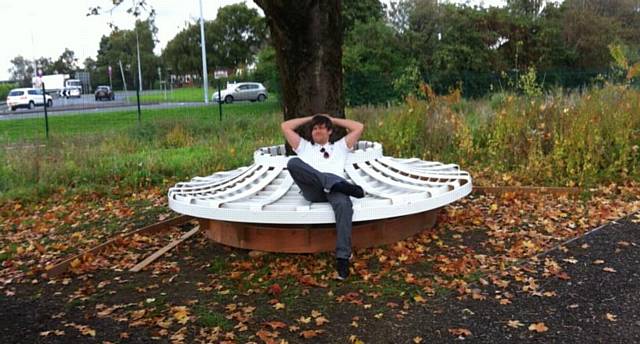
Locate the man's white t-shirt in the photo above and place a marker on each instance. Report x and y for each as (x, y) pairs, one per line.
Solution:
(334, 163)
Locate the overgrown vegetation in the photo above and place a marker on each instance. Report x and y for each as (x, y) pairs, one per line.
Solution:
(5, 88)
(554, 139)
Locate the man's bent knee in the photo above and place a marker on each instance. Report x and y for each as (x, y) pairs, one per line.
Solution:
(294, 163)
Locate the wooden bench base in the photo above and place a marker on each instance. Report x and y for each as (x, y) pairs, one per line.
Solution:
(314, 238)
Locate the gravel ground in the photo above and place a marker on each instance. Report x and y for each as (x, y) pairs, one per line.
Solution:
(595, 301)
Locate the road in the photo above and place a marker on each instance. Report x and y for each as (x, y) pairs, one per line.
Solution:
(88, 104)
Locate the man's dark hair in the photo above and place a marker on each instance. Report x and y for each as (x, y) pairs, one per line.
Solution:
(321, 120)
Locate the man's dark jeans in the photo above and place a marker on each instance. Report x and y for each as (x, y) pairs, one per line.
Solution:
(315, 187)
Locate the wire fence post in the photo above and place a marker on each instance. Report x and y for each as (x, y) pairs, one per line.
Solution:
(219, 100)
(46, 116)
(138, 100)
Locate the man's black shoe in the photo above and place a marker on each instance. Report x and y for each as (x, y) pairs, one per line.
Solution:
(348, 189)
(342, 265)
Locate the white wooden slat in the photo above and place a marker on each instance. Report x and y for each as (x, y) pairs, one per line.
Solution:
(431, 166)
(405, 178)
(356, 177)
(408, 179)
(409, 170)
(217, 186)
(386, 180)
(276, 195)
(238, 184)
(218, 178)
(271, 174)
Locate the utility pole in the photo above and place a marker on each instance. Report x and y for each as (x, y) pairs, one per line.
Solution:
(205, 79)
(139, 69)
(124, 81)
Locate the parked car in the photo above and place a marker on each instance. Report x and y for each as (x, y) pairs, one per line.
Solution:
(27, 98)
(242, 91)
(104, 93)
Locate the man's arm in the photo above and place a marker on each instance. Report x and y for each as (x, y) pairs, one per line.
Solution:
(289, 127)
(354, 129)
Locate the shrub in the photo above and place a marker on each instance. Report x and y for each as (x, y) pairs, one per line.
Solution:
(4, 90)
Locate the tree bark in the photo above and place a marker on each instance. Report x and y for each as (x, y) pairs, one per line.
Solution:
(307, 36)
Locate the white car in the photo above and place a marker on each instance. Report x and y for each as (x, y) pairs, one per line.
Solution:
(242, 91)
(28, 98)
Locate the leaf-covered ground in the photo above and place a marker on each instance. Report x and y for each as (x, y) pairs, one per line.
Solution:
(491, 270)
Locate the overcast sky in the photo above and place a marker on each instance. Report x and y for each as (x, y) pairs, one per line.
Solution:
(35, 28)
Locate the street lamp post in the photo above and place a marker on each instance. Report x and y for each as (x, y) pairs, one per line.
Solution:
(109, 70)
(205, 79)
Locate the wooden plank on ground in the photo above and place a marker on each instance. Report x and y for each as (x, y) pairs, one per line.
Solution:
(525, 190)
(164, 250)
(61, 267)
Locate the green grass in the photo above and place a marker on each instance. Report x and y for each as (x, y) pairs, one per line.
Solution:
(110, 150)
(8, 251)
(218, 265)
(210, 318)
(111, 123)
(187, 95)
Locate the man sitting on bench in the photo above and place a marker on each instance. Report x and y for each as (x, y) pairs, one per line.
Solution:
(319, 172)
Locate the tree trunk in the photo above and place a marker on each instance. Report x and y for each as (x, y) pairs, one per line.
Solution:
(307, 36)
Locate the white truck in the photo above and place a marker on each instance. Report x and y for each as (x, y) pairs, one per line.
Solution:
(59, 84)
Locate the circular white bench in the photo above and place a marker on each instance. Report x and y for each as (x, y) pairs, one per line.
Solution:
(260, 207)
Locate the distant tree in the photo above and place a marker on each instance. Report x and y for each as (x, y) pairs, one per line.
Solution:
(531, 8)
(45, 64)
(452, 44)
(67, 63)
(463, 55)
(182, 53)
(373, 58)
(586, 35)
(526, 40)
(424, 26)
(233, 39)
(235, 36)
(89, 64)
(361, 11)
(21, 71)
(120, 45)
(267, 69)
(625, 13)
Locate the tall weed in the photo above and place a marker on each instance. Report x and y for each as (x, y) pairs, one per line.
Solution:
(554, 139)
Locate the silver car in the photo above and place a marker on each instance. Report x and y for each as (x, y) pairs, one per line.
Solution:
(242, 91)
